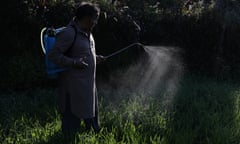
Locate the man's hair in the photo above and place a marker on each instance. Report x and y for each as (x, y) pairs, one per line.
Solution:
(86, 9)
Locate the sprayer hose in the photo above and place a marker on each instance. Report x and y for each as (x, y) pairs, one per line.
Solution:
(41, 39)
(123, 49)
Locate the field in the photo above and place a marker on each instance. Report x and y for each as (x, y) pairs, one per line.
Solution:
(200, 111)
(180, 86)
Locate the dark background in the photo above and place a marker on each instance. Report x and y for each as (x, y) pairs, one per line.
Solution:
(207, 33)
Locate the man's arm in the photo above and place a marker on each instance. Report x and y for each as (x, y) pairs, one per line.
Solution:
(63, 42)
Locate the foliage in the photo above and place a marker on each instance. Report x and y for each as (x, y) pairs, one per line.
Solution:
(206, 31)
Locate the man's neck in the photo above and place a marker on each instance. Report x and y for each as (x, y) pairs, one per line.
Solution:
(82, 26)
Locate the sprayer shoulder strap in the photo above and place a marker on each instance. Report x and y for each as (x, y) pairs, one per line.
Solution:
(74, 39)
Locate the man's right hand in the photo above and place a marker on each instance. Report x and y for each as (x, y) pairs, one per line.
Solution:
(80, 63)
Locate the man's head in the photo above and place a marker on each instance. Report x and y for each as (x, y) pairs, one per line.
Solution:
(87, 14)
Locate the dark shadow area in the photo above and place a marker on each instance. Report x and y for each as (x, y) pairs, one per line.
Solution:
(24, 110)
(57, 138)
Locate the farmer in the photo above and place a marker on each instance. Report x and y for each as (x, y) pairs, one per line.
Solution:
(77, 99)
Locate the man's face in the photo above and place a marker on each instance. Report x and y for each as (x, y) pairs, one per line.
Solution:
(91, 22)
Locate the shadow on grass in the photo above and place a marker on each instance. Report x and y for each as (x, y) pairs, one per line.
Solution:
(28, 116)
(205, 112)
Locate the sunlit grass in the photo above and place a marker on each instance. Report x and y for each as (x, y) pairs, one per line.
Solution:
(202, 111)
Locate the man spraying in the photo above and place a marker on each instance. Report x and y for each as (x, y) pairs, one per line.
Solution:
(77, 98)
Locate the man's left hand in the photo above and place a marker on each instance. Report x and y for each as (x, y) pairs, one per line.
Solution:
(100, 59)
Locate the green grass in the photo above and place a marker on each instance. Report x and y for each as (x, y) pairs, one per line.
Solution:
(202, 111)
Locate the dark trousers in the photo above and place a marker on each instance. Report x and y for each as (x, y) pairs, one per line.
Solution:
(71, 123)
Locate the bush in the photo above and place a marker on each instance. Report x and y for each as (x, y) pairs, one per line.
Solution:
(208, 35)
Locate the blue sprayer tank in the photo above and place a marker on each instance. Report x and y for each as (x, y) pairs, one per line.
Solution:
(48, 36)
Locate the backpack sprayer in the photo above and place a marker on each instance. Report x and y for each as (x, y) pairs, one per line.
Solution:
(47, 39)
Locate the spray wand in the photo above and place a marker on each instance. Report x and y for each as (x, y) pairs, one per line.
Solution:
(123, 49)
